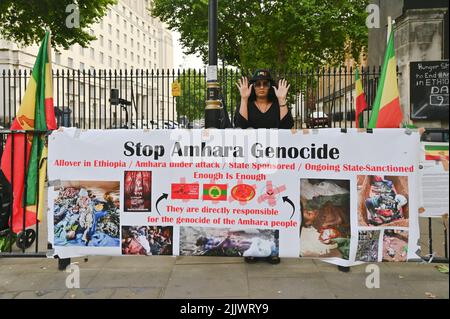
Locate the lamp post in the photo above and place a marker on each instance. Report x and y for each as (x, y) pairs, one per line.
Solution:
(213, 105)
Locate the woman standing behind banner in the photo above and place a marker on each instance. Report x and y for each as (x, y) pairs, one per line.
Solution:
(263, 105)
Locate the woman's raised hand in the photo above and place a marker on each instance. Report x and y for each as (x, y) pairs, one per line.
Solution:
(243, 87)
(282, 90)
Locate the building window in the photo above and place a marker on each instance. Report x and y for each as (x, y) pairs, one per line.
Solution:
(117, 49)
(132, 43)
(118, 34)
(144, 62)
(144, 49)
(154, 55)
(139, 46)
(109, 45)
(58, 58)
(118, 64)
(125, 52)
(125, 66)
(125, 38)
(139, 59)
(110, 29)
(70, 62)
(101, 25)
(125, 24)
(102, 58)
(132, 29)
(132, 56)
(154, 44)
(138, 33)
(81, 66)
(81, 50)
(117, 19)
(110, 61)
(101, 40)
(92, 53)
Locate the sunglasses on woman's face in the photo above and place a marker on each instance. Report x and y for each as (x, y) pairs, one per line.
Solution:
(263, 84)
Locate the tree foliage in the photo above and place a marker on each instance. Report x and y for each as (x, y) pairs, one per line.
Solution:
(25, 21)
(270, 33)
(191, 102)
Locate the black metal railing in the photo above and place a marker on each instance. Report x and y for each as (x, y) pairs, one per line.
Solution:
(144, 98)
(25, 238)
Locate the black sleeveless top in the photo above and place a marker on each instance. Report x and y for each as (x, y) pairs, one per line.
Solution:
(269, 119)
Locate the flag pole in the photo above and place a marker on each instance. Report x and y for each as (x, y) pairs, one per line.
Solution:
(389, 29)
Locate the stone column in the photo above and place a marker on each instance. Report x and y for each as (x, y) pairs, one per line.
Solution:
(419, 37)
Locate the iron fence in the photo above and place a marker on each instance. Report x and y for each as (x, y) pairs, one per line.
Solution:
(20, 231)
(109, 99)
(106, 99)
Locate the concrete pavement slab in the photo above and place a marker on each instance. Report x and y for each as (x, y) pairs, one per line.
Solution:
(125, 279)
(353, 285)
(289, 288)
(415, 270)
(89, 293)
(288, 267)
(42, 281)
(193, 260)
(136, 293)
(423, 288)
(8, 295)
(205, 280)
(41, 294)
(139, 262)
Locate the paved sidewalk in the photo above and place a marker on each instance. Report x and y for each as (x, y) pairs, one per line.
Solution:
(215, 277)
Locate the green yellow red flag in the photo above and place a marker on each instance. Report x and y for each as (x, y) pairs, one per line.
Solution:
(24, 157)
(386, 110)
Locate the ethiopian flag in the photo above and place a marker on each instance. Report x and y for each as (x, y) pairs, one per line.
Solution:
(386, 110)
(436, 152)
(215, 192)
(360, 100)
(24, 157)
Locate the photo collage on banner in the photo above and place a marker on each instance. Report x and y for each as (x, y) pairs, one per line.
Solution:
(383, 218)
(325, 229)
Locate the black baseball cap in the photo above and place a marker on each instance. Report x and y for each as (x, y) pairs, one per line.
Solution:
(261, 74)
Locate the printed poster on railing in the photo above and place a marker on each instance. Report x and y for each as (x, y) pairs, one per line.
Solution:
(345, 197)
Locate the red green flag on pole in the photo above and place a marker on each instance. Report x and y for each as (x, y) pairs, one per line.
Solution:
(386, 110)
(24, 158)
(360, 100)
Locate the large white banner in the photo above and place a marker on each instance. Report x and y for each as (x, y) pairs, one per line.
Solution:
(346, 197)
